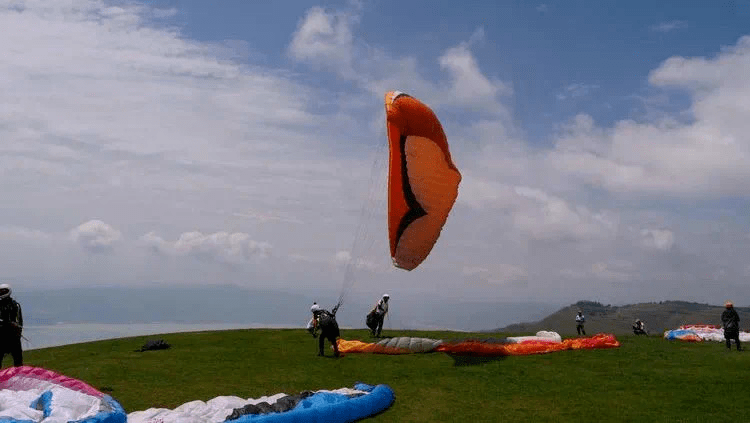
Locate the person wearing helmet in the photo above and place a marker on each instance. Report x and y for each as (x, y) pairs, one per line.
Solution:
(731, 322)
(329, 329)
(11, 326)
(312, 321)
(378, 315)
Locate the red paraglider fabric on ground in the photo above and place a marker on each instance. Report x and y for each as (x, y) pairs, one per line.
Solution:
(483, 348)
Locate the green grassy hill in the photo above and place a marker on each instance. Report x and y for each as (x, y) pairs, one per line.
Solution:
(646, 379)
(658, 317)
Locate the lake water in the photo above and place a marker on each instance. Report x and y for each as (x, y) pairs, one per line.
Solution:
(72, 333)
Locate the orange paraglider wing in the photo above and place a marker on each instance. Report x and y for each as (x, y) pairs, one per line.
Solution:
(422, 179)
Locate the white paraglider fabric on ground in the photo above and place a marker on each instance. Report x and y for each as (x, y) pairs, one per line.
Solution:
(215, 410)
(64, 406)
(542, 335)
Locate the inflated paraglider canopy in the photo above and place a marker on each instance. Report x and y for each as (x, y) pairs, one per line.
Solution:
(422, 179)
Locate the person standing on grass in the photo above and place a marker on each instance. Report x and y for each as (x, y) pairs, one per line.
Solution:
(329, 329)
(731, 322)
(378, 315)
(11, 327)
(580, 320)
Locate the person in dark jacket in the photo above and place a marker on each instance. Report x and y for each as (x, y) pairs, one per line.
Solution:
(11, 326)
(730, 320)
(639, 328)
(325, 321)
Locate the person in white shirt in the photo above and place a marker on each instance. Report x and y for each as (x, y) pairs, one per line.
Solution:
(580, 320)
(377, 316)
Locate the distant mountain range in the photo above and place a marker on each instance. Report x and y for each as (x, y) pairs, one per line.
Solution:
(658, 317)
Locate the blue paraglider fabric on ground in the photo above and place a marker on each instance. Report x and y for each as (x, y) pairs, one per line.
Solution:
(332, 407)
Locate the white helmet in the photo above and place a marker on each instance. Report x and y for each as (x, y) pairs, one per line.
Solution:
(4, 291)
(315, 307)
(386, 296)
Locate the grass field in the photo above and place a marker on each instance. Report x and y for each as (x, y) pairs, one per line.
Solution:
(645, 380)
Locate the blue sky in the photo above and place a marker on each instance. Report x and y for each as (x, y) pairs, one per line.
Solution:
(561, 58)
(603, 145)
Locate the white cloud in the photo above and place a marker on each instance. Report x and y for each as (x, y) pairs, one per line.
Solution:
(469, 86)
(106, 112)
(659, 239)
(707, 156)
(190, 106)
(225, 247)
(669, 26)
(547, 217)
(324, 39)
(497, 274)
(18, 232)
(95, 236)
(611, 271)
(576, 90)
(343, 259)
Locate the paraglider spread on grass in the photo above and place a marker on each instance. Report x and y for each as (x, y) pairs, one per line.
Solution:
(340, 405)
(700, 333)
(543, 342)
(32, 394)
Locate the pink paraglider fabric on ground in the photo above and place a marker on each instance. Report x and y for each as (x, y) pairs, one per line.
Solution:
(32, 394)
(25, 377)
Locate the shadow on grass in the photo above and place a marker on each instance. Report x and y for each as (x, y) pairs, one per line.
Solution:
(468, 360)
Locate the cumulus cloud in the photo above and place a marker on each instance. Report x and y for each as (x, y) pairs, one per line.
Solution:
(498, 274)
(19, 232)
(659, 239)
(707, 156)
(109, 111)
(344, 259)
(236, 247)
(200, 118)
(324, 39)
(95, 236)
(469, 86)
(547, 217)
(669, 26)
(611, 271)
(575, 90)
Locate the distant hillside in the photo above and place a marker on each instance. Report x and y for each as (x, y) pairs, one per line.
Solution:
(658, 317)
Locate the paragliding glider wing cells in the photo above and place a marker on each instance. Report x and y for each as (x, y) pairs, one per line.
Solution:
(422, 179)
